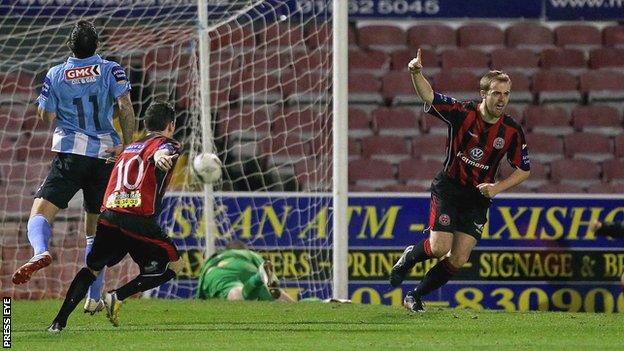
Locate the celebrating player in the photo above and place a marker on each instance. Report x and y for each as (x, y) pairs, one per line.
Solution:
(480, 135)
(79, 95)
(128, 223)
(239, 274)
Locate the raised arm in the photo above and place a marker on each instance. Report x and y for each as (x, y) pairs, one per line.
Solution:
(422, 86)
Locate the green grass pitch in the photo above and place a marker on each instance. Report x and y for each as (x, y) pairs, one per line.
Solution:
(150, 325)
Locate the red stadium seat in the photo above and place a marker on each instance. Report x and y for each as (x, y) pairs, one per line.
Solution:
(544, 147)
(382, 37)
(303, 121)
(364, 87)
(397, 86)
(17, 87)
(556, 86)
(480, 35)
(372, 173)
(405, 188)
(418, 172)
(307, 86)
(396, 121)
(602, 85)
(281, 34)
(432, 35)
(529, 35)
(321, 36)
(389, 148)
(472, 60)
(232, 36)
(358, 188)
(359, 123)
(355, 149)
(612, 58)
(619, 146)
(37, 150)
(572, 60)
(432, 125)
(520, 88)
(284, 149)
(548, 120)
(613, 36)
(539, 175)
(606, 188)
(313, 60)
(565, 188)
(401, 58)
(578, 36)
(429, 147)
(369, 61)
(459, 85)
(613, 171)
(522, 61)
(597, 119)
(248, 123)
(582, 173)
(588, 146)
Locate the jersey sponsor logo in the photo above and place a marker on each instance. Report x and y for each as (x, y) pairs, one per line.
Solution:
(86, 74)
(499, 143)
(472, 162)
(476, 153)
(134, 148)
(119, 74)
(444, 219)
(124, 200)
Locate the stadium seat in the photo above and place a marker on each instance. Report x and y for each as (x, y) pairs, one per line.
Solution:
(355, 149)
(401, 58)
(556, 86)
(539, 174)
(245, 123)
(265, 60)
(233, 37)
(597, 119)
(320, 36)
(564, 188)
(613, 171)
(481, 36)
(613, 36)
(418, 172)
(529, 35)
(368, 61)
(365, 87)
(313, 60)
(396, 121)
(544, 147)
(10, 124)
(372, 173)
(303, 121)
(606, 188)
(17, 87)
(429, 147)
(405, 188)
(552, 120)
(611, 58)
(284, 149)
(579, 36)
(359, 123)
(602, 85)
(571, 60)
(459, 85)
(432, 125)
(37, 150)
(471, 60)
(359, 188)
(520, 88)
(219, 90)
(166, 59)
(382, 37)
(397, 87)
(306, 86)
(618, 142)
(588, 146)
(281, 35)
(393, 149)
(434, 36)
(582, 173)
(509, 60)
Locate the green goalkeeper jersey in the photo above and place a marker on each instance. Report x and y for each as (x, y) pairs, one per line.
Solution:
(226, 270)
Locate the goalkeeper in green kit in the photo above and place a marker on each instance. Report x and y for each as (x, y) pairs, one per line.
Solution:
(239, 274)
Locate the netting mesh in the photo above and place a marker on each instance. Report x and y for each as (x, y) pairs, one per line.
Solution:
(270, 102)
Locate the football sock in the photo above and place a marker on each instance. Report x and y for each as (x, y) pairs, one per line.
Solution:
(95, 290)
(75, 294)
(142, 283)
(420, 252)
(39, 233)
(436, 277)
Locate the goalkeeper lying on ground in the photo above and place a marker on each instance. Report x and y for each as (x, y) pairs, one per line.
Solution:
(239, 274)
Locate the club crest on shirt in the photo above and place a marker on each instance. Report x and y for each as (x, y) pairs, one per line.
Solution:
(444, 219)
(499, 143)
(86, 74)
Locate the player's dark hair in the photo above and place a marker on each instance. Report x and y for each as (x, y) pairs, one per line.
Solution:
(83, 39)
(158, 115)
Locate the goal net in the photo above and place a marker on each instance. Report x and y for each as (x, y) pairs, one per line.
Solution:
(269, 71)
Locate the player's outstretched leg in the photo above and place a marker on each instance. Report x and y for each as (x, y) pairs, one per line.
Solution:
(269, 279)
(412, 255)
(75, 294)
(24, 273)
(113, 306)
(93, 306)
(413, 302)
(94, 303)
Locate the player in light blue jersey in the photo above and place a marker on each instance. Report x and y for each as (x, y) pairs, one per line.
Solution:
(80, 95)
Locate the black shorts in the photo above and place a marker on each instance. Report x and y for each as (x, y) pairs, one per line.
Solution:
(150, 248)
(69, 173)
(457, 208)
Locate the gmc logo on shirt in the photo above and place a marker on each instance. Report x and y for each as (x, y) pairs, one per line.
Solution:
(82, 72)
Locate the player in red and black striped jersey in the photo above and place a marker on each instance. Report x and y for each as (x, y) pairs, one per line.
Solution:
(480, 135)
(128, 223)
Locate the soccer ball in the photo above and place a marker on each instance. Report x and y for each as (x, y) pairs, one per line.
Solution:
(207, 167)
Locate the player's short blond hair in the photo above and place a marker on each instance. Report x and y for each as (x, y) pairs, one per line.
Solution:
(488, 78)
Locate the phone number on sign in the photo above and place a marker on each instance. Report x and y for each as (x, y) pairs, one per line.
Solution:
(376, 7)
(521, 299)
